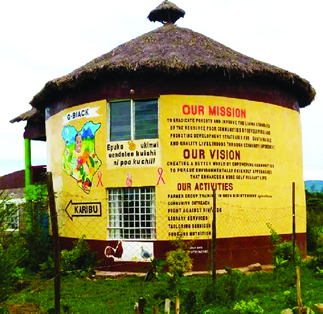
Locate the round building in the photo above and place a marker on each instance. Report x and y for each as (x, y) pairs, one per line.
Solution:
(146, 140)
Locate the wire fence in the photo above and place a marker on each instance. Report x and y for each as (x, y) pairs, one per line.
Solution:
(144, 228)
(220, 232)
(137, 227)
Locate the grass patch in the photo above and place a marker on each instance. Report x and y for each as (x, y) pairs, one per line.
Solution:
(273, 292)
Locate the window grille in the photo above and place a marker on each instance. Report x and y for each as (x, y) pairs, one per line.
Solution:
(131, 213)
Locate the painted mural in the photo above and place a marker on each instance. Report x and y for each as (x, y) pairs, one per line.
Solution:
(79, 159)
(129, 251)
(246, 150)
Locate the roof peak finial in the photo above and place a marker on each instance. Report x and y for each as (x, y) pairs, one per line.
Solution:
(166, 13)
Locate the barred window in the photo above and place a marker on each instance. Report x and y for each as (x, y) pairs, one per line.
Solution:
(133, 120)
(131, 213)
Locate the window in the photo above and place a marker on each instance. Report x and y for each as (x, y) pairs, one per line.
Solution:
(9, 214)
(131, 213)
(133, 120)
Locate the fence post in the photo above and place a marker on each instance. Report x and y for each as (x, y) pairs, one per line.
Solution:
(298, 288)
(167, 306)
(294, 223)
(214, 240)
(177, 304)
(53, 216)
(140, 306)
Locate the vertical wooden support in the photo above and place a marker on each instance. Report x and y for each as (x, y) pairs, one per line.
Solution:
(298, 292)
(53, 216)
(142, 303)
(294, 218)
(155, 309)
(140, 306)
(167, 306)
(177, 305)
(214, 240)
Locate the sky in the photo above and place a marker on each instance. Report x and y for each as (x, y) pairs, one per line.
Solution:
(42, 40)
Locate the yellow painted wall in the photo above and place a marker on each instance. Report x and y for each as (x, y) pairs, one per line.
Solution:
(65, 185)
(255, 148)
(199, 134)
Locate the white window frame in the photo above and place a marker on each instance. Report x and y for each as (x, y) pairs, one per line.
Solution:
(118, 227)
(17, 202)
(132, 117)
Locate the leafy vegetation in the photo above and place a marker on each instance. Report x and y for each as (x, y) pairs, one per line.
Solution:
(118, 295)
(233, 293)
(79, 260)
(179, 261)
(36, 236)
(21, 252)
(250, 307)
(11, 271)
(314, 204)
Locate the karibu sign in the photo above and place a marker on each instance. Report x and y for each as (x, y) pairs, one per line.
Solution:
(83, 209)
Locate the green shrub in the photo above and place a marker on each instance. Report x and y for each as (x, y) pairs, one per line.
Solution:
(156, 270)
(189, 301)
(227, 289)
(317, 261)
(286, 299)
(250, 307)
(284, 263)
(179, 262)
(11, 260)
(47, 269)
(36, 236)
(274, 236)
(313, 235)
(79, 260)
(13, 251)
(283, 253)
(314, 204)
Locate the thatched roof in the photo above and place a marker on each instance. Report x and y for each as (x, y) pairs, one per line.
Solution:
(35, 127)
(166, 12)
(30, 114)
(175, 51)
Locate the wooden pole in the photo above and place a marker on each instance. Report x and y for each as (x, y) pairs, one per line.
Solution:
(142, 303)
(177, 305)
(53, 216)
(214, 240)
(294, 223)
(167, 306)
(298, 287)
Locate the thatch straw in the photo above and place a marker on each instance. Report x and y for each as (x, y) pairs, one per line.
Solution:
(30, 114)
(175, 51)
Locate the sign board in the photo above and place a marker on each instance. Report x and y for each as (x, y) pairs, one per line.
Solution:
(83, 209)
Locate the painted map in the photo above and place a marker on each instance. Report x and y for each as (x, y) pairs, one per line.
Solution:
(79, 158)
